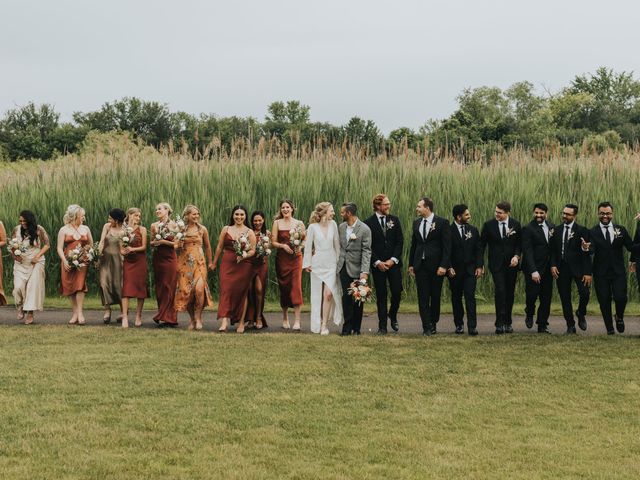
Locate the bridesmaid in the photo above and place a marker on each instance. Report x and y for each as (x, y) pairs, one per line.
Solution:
(235, 270)
(258, 286)
(165, 266)
(192, 292)
(73, 280)
(110, 274)
(288, 262)
(3, 242)
(134, 271)
(28, 267)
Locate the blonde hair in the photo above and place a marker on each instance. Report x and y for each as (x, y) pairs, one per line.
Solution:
(187, 210)
(165, 205)
(72, 213)
(320, 211)
(131, 211)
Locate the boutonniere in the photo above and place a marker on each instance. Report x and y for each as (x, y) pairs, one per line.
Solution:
(390, 224)
(352, 236)
(551, 230)
(510, 232)
(617, 233)
(570, 236)
(468, 236)
(433, 227)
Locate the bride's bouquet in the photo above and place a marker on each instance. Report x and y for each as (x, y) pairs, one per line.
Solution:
(16, 247)
(263, 245)
(242, 246)
(360, 291)
(296, 238)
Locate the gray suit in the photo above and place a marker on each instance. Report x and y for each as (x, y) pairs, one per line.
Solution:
(355, 258)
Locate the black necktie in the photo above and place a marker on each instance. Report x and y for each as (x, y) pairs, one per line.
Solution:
(543, 232)
(382, 223)
(565, 239)
(463, 231)
(607, 237)
(504, 231)
(424, 229)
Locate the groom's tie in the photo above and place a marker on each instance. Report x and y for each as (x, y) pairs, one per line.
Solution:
(384, 230)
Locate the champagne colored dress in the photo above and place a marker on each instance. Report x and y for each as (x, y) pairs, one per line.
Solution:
(28, 278)
(110, 277)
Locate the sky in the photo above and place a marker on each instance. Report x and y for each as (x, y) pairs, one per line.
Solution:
(398, 63)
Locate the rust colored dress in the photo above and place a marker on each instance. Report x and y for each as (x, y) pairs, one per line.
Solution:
(234, 282)
(3, 299)
(289, 273)
(134, 270)
(255, 306)
(192, 268)
(165, 273)
(75, 280)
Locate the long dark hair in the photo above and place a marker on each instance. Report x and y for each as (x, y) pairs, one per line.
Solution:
(256, 213)
(32, 226)
(246, 215)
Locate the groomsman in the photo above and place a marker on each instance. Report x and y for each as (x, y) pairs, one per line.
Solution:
(353, 263)
(634, 258)
(428, 261)
(502, 235)
(609, 273)
(466, 267)
(386, 264)
(570, 262)
(536, 265)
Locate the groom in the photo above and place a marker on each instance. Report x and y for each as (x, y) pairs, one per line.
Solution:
(353, 263)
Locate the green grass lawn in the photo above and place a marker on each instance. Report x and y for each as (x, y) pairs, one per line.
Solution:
(106, 403)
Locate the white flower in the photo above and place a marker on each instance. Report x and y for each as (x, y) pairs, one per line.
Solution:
(125, 239)
(17, 253)
(243, 240)
(292, 231)
(468, 235)
(158, 237)
(76, 263)
(352, 236)
(433, 227)
(179, 235)
(551, 231)
(390, 224)
(570, 236)
(617, 232)
(510, 232)
(296, 242)
(244, 254)
(268, 251)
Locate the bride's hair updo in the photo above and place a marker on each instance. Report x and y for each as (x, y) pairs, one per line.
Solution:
(320, 211)
(72, 213)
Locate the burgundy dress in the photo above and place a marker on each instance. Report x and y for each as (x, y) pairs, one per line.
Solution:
(255, 307)
(165, 273)
(289, 273)
(234, 282)
(75, 280)
(134, 273)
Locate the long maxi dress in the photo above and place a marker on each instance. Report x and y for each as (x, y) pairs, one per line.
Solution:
(134, 270)
(289, 273)
(321, 254)
(192, 267)
(28, 278)
(235, 278)
(110, 276)
(165, 272)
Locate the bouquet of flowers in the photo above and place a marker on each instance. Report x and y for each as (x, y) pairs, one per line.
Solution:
(93, 254)
(263, 245)
(360, 291)
(296, 238)
(127, 236)
(181, 228)
(167, 233)
(82, 255)
(16, 247)
(242, 246)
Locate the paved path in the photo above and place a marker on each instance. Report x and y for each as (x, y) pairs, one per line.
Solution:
(409, 323)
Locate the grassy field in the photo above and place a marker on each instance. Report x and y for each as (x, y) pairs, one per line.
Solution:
(113, 172)
(103, 403)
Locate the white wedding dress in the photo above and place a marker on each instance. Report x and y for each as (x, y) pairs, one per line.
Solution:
(321, 253)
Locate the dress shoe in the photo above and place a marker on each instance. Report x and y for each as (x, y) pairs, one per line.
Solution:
(473, 332)
(433, 329)
(571, 331)
(543, 330)
(499, 330)
(394, 325)
(381, 331)
(459, 330)
(508, 329)
(582, 322)
(528, 321)
(611, 332)
(619, 324)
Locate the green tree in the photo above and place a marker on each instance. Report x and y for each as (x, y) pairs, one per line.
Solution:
(25, 132)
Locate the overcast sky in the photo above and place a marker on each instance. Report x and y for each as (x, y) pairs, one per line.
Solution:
(398, 63)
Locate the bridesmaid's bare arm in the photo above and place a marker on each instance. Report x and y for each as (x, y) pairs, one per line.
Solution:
(44, 244)
(60, 249)
(103, 235)
(252, 244)
(207, 247)
(274, 235)
(3, 235)
(143, 247)
(219, 247)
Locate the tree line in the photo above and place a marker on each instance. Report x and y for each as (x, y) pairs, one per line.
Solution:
(598, 111)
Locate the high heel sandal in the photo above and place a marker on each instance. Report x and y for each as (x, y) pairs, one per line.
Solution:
(106, 319)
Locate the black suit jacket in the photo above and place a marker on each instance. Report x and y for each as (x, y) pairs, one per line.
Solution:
(536, 250)
(466, 254)
(579, 262)
(436, 250)
(609, 257)
(385, 245)
(501, 251)
(636, 239)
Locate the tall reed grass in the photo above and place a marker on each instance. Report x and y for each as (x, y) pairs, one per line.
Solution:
(112, 171)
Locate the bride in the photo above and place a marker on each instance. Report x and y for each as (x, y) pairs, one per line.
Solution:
(321, 254)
